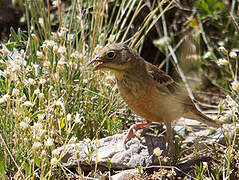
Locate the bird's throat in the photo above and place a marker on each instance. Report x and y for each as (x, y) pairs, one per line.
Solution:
(128, 85)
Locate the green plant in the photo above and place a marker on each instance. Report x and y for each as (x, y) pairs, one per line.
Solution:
(48, 96)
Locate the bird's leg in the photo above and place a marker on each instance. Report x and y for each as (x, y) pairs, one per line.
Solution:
(170, 147)
(132, 131)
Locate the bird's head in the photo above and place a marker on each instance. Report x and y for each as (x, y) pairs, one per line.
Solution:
(114, 57)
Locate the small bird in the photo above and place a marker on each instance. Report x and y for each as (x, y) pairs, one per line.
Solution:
(148, 91)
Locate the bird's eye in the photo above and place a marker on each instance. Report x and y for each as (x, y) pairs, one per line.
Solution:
(111, 54)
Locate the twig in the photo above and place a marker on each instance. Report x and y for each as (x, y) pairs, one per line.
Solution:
(232, 15)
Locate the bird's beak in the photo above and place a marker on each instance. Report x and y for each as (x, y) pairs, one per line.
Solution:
(100, 66)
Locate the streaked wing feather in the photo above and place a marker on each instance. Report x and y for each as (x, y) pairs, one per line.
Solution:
(166, 85)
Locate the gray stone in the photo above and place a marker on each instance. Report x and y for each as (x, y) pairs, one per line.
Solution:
(111, 150)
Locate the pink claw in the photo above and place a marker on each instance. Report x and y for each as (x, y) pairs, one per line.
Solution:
(132, 131)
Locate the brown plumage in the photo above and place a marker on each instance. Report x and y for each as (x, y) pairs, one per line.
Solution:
(148, 91)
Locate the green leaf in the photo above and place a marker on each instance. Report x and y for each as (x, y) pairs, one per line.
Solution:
(205, 6)
(21, 35)
(37, 162)
(27, 168)
(36, 114)
(14, 35)
(2, 170)
(211, 3)
(12, 45)
(219, 6)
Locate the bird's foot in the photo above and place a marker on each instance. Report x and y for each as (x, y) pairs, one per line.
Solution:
(132, 131)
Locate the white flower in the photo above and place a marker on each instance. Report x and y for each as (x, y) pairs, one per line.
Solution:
(44, 48)
(226, 127)
(235, 85)
(36, 67)
(85, 81)
(41, 96)
(73, 65)
(77, 55)
(31, 81)
(50, 43)
(37, 91)
(222, 62)
(56, 152)
(62, 32)
(233, 55)
(39, 134)
(27, 119)
(4, 51)
(205, 165)
(4, 98)
(37, 126)
(101, 36)
(158, 152)
(78, 118)
(207, 55)
(98, 48)
(54, 161)
(36, 145)
(56, 3)
(23, 125)
(23, 98)
(22, 53)
(64, 29)
(49, 142)
(28, 104)
(55, 49)
(54, 35)
(41, 22)
(34, 37)
(61, 50)
(223, 50)
(42, 81)
(58, 103)
(29, 68)
(72, 140)
(68, 117)
(230, 101)
(47, 64)
(41, 116)
(61, 62)
(15, 92)
(43, 154)
(40, 55)
(56, 77)
(70, 37)
(61, 104)
(111, 39)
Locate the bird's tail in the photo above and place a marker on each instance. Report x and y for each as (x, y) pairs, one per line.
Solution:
(197, 115)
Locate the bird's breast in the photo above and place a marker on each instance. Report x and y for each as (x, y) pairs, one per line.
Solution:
(146, 101)
(138, 97)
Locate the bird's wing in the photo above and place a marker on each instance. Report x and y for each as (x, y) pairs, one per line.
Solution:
(166, 85)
